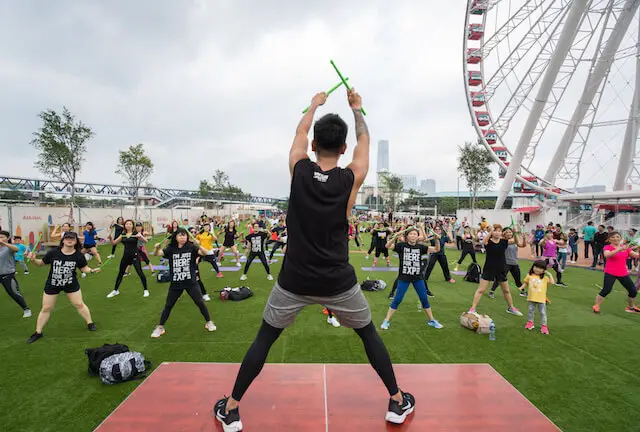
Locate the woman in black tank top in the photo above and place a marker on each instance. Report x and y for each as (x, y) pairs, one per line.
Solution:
(230, 235)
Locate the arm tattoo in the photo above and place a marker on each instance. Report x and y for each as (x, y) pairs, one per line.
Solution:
(361, 126)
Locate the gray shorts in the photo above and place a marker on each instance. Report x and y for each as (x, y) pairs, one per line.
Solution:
(350, 307)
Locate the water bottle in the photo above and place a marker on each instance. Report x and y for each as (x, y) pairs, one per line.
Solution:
(492, 331)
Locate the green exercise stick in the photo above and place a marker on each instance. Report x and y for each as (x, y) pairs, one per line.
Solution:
(35, 246)
(105, 263)
(344, 81)
(331, 90)
(188, 232)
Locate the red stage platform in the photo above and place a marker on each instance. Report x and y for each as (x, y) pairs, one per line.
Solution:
(336, 398)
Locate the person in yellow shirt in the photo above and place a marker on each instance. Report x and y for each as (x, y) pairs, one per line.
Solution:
(206, 239)
(536, 284)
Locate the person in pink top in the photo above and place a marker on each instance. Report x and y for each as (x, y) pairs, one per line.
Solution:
(615, 269)
(550, 255)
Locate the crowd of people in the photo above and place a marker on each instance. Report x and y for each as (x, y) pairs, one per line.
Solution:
(314, 238)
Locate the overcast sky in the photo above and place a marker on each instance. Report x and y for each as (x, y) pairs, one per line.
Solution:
(209, 85)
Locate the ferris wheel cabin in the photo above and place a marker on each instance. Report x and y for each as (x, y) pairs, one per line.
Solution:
(501, 152)
(482, 118)
(502, 171)
(490, 136)
(479, 7)
(475, 31)
(474, 55)
(475, 78)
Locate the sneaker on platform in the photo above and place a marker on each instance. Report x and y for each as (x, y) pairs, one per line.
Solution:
(398, 413)
(230, 420)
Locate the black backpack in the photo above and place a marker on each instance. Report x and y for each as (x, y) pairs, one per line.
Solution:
(96, 355)
(241, 293)
(164, 276)
(473, 273)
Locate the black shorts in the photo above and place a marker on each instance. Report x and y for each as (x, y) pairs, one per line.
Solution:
(55, 290)
(87, 246)
(382, 251)
(228, 245)
(492, 274)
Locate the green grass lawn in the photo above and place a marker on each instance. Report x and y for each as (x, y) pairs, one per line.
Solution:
(582, 376)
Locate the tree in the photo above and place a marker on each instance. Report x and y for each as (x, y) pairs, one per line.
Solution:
(393, 187)
(283, 205)
(62, 142)
(136, 167)
(474, 165)
(221, 186)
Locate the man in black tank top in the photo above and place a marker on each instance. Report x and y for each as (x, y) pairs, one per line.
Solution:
(316, 268)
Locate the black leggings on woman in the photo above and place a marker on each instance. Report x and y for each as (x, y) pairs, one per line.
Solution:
(468, 252)
(211, 259)
(130, 261)
(261, 256)
(257, 355)
(10, 285)
(174, 294)
(278, 244)
(626, 282)
(514, 269)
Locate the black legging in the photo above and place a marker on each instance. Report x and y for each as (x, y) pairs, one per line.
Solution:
(514, 269)
(555, 266)
(12, 288)
(211, 259)
(459, 242)
(442, 259)
(263, 259)
(626, 282)
(126, 261)
(256, 356)
(174, 294)
(468, 252)
(373, 245)
(357, 240)
(278, 244)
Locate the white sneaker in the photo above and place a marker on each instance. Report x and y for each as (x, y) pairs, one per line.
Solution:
(269, 277)
(110, 256)
(243, 277)
(146, 293)
(210, 326)
(366, 257)
(333, 321)
(157, 332)
(84, 275)
(206, 297)
(238, 264)
(27, 313)
(113, 294)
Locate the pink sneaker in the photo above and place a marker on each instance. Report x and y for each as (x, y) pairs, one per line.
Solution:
(544, 330)
(452, 281)
(472, 310)
(219, 274)
(529, 325)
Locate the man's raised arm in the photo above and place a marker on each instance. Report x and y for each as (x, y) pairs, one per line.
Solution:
(300, 147)
(360, 163)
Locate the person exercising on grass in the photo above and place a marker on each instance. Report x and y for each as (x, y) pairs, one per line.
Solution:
(316, 268)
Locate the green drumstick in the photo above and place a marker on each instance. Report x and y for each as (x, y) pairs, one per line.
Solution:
(35, 246)
(344, 81)
(105, 263)
(331, 90)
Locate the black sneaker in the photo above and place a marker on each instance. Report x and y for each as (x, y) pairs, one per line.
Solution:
(392, 295)
(230, 420)
(492, 295)
(398, 413)
(430, 294)
(562, 284)
(91, 326)
(34, 337)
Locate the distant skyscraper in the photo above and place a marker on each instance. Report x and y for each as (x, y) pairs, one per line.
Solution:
(383, 156)
(409, 181)
(428, 186)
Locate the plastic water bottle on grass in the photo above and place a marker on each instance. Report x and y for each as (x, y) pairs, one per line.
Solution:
(492, 331)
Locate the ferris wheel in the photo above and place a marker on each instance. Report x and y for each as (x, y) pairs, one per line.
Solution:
(553, 90)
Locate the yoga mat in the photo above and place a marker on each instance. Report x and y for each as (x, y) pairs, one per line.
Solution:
(230, 269)
(157, 267)
(255, 260)
(459, 273)
(380, 269)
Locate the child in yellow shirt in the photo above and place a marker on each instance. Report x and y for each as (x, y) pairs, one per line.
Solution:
(536, 284)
